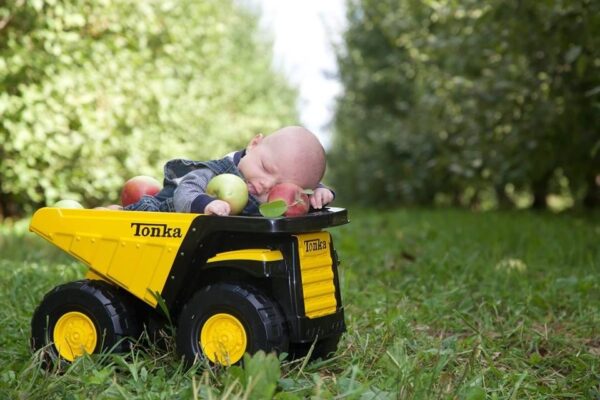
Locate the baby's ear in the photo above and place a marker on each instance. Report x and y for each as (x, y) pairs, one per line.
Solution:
(255, 140)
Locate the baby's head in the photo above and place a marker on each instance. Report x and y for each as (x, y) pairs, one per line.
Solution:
(291, 154)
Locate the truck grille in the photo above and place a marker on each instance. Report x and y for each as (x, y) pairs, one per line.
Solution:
(317, 274)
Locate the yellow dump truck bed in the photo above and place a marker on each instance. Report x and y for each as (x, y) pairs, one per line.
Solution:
(135, 250)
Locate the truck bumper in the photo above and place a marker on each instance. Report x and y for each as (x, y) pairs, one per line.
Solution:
(322, 327)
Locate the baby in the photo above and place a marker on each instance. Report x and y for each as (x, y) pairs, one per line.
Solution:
(291, 154)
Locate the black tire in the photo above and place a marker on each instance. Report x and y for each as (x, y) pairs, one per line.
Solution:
(260, 321)
(324, 348)
(100, 311)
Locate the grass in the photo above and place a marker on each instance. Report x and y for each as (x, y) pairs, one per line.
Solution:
(439, 304)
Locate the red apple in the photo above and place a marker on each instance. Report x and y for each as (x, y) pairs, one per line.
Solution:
(230, 188)
(136, 187)
(294, 197)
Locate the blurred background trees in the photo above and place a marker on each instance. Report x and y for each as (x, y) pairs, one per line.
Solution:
(469, 102)
(93, 92)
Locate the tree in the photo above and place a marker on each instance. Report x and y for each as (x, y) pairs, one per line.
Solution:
(462, 101)
(93, 92)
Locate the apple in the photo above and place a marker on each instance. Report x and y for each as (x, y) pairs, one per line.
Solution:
(136, 187)
(230, 188)
(67, 203)
(109, 207)
(295, 198)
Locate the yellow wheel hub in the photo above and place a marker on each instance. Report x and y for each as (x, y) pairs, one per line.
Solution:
(74, 334)
(223, 339)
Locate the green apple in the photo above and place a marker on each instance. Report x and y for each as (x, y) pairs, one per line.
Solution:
(230, 188)
(66, 203)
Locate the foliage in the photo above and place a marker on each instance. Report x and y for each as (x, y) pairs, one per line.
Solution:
(467, 101)
(93, 92)
(438, 304)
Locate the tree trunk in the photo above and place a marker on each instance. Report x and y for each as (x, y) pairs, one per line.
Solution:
(3, 206)
(8, 207)
(592, 196)
(475, 201)
(504, 202)
(539, 190)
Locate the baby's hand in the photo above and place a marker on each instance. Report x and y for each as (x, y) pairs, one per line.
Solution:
(321, 197)
(217, 207)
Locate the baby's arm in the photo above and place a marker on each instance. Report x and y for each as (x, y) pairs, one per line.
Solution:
(190, 195)
(321, 197)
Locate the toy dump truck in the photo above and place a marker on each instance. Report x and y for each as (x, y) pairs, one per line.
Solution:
(230, 285)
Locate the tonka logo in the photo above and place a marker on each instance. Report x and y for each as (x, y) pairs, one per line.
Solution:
(155, 230)
(314, 245)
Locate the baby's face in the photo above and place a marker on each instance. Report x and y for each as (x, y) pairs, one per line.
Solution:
(264, 167)
(261, 170)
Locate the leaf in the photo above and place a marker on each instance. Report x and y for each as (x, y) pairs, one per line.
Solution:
(592, 92)
(263, 372)
(273, 209)
(572, 54)
(474, 393)
(259, 375)
(308, 192)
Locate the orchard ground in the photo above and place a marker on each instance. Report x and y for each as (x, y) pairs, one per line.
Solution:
(439, 304)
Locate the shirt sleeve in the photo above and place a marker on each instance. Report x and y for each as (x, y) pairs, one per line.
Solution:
(190, 194)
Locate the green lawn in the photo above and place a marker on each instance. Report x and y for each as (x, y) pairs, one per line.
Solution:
(439, 304)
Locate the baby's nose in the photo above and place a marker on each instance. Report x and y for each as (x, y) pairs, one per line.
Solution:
(268, 184)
